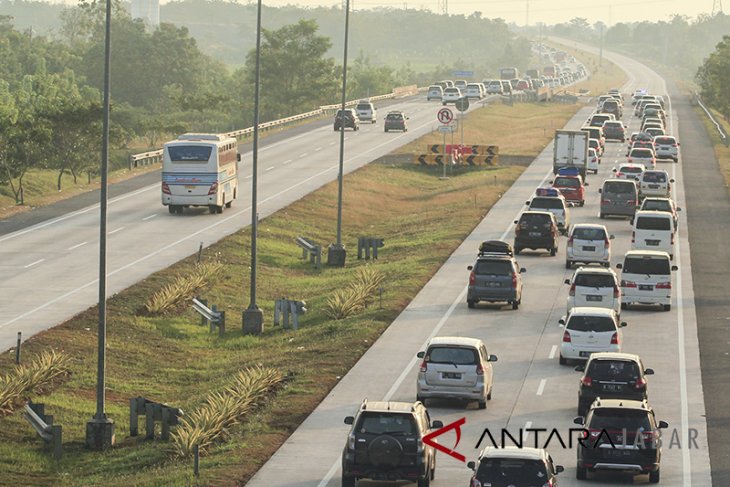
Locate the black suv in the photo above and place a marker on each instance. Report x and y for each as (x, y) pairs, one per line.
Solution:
(351, 120)
(495, 276)
(622, 436)
(386, 443)
(612, 375)
(536, 230)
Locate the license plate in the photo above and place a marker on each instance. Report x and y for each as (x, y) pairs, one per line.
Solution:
(450, 375)
(494, 284)
(653, 186)
(652, 242)
(615, 452)
(585, 354)
(610, 387)
(645, 287)
(589, 248)
(594, 298)
(619, 203)
(535, 234)
(189, 186)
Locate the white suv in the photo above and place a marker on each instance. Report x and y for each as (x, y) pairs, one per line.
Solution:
(646, 278)
(588, 243)
(366, 112)
(588, 330)
(655, 182)
(451, 95)
(666, 147)
(593, 286)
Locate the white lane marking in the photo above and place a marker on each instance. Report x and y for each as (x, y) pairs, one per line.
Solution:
(33, 263)
(317, 149)
(552, 352)
(77, 246)
(269, 168)
(303, 155)
(117, 230)
(287, 162)
(149, 217)
(333, 143)
(541, 387)
(249, 176)
(528, 425)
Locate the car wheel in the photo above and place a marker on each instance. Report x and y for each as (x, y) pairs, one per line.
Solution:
(667, 307)
(433, 468)
(581, 473)
(517, 250)
(212, 209)
(553, 251)
(172, 209)
(489, 395)
(470, 304)
(601, 216)
(425, 482)
(482, 404)
(583, 203)
(348, 481)
(386, 131)
(568, 264)
(515, 304)
(654, 477)
(562, 361)
(624, 305)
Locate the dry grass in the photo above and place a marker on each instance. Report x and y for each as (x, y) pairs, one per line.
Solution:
(354, 298)
(32, 378)
(183, 287)
(722, 152)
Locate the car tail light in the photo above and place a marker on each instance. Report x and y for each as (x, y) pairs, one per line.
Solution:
(640, 383)
(166, 188)
(213, 188)
(627, 283)
(630, 159)
(566, 337)
(549, 483)
(587, 381)
(514, 280)
(351, 442)
(664, 285)
(480, 369)
(475, 483)
(605, 202)
(619, 174)
(616, 292)
(472, 278)
(614, 338)
(570, 241)
(672, 241)
(572, 289)
(674, 145)
(424, 366)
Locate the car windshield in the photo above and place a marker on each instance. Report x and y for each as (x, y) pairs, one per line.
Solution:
(617, 187)
(501, 472)
(391, 423)
(620, 370)
(551, 203)
(646, 265)
(493, 267)
(569, 182)
(619, 418)
(653, 223)
(452, 355)
(594, 280)
(654, 177)
(589, 233)
(591, 323)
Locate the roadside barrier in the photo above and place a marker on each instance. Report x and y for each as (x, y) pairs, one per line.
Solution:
(311, 249)
(153, 412)
(718, 126)
(210, 316)
(43, 424)
(284, 308)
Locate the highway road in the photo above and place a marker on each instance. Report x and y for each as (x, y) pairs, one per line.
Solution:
(49, 271)
(531, 389)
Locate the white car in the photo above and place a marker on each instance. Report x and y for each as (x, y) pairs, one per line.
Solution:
(646, 278)
(593, 160)
(666, 147)
(451, 95)
(366, 111)
(653, 230)
(473, 90)
(588, 329)
(662, 204)
(588, 243)
(593, 286)
(642, 155)
(629, 171)
(435, 92)
(655, 182)
(550, 200)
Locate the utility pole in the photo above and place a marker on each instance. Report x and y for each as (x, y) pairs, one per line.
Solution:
(600, 49)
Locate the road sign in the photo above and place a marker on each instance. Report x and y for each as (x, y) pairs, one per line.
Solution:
(462, 104)
(463, 74)
(446, 129)
(445, 115)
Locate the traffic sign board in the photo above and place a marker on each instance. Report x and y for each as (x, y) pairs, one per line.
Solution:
(463, 74)
(446, 129)
(445, 115)
(462, 104)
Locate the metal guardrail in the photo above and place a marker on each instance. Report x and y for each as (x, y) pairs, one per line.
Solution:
(153, 411)
(210, 315)
(718, 126)
(284, 308)
(43, 424)
(153, 157)
(312, 249)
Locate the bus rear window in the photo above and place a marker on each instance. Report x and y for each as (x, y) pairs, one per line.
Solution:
(189, 153)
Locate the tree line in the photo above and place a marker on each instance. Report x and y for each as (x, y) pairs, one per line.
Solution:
(163, 83)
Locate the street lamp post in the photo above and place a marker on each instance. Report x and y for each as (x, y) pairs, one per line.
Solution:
(253, 316)
(336, 252)
(100, 430)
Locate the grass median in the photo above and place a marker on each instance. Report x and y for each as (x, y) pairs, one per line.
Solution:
(169, 357)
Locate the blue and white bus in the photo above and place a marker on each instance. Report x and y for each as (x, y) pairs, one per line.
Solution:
(200, 170)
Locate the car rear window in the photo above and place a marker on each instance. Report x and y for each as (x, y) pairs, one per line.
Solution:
(591, 323)
(619, 418)
(569, 182)
(386, 423)
(610, 124)
(533, 219)
(452, 355)
(550, 203)
(657, 205)
(364, 106)
(646, 265)
(621, 370)
(583, 233)
(394, 116)
(511, 471)
(493, 267)
(664, 141)
(594, 280)
(616, 187)
(642, 152)
(653, 223)
(189, 153)
(654, 177)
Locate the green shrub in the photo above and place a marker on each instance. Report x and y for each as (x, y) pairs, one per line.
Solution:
(182, 288)
(34, 377)
(355, 297)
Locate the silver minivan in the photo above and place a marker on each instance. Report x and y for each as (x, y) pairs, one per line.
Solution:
(619, 197)
(646, 278)
(455, 368)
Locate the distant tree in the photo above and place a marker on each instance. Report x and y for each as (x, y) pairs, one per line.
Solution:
(714, 77)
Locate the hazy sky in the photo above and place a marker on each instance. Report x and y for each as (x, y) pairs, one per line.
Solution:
(547, 11)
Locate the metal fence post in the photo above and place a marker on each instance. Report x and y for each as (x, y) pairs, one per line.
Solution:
(222, 324)
(133, 417)
(294, 318)
(214, 309)
(57, 433)
(202, 318)
(196, 460)
(149, 412)
(17, 350)
(277, 304)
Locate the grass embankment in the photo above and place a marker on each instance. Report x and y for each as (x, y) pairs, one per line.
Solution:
(170, 358)
(722, 152)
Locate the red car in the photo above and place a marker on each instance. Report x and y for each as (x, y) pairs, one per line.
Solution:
(572, 188)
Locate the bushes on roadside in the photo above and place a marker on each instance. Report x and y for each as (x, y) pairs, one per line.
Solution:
(34, 377)
(354, 298)
(182, 288)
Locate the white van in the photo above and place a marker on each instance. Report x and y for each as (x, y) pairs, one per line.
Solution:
(366, 111)
(655, 182)
(646, 278)
(653, 230)
(200, 170)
